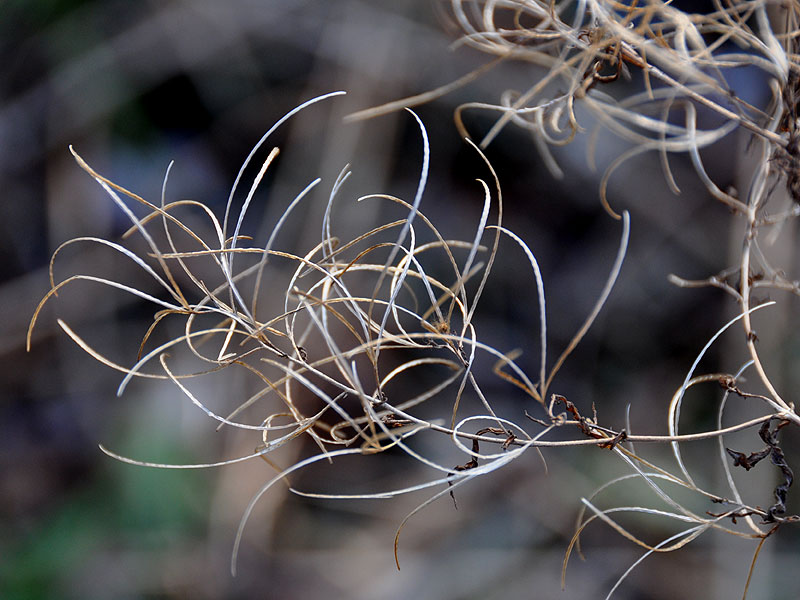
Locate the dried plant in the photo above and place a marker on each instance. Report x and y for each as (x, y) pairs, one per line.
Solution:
(362, 318)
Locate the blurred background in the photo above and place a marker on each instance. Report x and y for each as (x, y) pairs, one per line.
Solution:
(133, 86)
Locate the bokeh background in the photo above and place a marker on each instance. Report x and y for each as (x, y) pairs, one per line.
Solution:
(133, 86)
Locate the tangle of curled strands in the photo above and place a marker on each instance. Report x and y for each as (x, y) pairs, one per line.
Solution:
(360, 321)
(588, 50)
(371, 342)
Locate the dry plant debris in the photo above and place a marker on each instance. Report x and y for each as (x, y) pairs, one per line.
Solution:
(360, 316)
